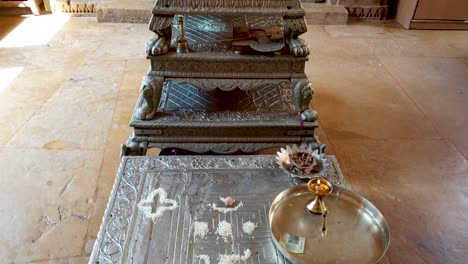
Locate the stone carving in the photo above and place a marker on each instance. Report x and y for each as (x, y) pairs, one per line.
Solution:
(61, 6)
(159, 44)
(293, 28)
(303, 92)
(229, 84)
(201, 115)
(113, 232)
(217, 66)
(151, 93)
(290, 10)
(269, 94)
(367, 9)
(133, 148)
(222, 148)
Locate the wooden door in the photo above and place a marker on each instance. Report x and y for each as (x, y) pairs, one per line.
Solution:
(442, 10)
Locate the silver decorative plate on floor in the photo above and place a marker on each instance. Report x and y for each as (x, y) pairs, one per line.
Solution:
(195, 183)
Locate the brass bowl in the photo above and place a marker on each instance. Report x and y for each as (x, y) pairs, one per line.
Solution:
(315, 166)
(357, 232)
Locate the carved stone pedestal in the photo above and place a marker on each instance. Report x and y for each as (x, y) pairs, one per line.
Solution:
(217, 97)
(221, 121)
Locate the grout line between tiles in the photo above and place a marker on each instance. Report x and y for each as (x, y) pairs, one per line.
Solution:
(400, 87)
(95, 195)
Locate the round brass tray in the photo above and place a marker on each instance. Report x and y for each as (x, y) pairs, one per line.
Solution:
(356, 232)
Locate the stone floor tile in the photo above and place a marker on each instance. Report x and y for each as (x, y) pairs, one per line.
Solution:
(429, 43)
(45, 199)
(323, 138)
(361, 30)
(80, 112)
(126, 42)
(346, 47)
(439, 87)
(358, 98)
(13, 116)
(135, 70)
(387, 39)
(420, 188)
(65, 260)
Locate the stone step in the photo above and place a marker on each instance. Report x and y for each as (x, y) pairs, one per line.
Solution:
(323, 14)
(83, 7)
(139, 11)
(124, 11)
(327, 12)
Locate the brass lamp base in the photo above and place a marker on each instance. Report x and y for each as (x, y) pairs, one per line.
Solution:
(316, 206)
(320, 187)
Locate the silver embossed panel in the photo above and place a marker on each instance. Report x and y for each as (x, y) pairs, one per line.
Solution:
(195, 182)
(268, 97)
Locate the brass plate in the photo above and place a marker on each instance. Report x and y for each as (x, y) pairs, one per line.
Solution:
(356, 230)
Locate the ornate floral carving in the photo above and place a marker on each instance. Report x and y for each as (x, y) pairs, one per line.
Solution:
(228, 84)
(202, 115)
(207, 5)
(113, 232)
(218, 65)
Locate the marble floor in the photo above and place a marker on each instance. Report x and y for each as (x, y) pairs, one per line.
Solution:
(393, 108)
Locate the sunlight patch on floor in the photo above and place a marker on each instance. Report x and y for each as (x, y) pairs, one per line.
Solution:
(34, 31)
(7, 76)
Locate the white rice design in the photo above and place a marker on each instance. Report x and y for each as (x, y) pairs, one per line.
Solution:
(229, 259)
(224, 230)
(249, 227)
(145, 205)
(225, 210)
(206, 259)
(201, 229)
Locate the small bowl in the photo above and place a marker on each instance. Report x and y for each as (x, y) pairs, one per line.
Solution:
(302, 163)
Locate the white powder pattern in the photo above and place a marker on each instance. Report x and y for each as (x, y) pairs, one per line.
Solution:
(201, 229)
(228, 201)
(225, 210)
(206, 259)
(224, 230)
(229, 259)
(249, 227)
(145, 205)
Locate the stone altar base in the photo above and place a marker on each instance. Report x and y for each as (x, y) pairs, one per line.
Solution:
(219, 121)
